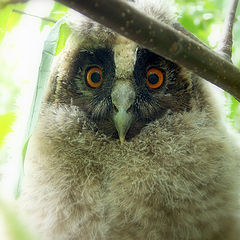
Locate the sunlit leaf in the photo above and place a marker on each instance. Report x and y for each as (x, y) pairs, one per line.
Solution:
(236, 45)
(6, 122)
(48, 54)
(9, 19)
(58, 11)
(63, 36)
(234, 111)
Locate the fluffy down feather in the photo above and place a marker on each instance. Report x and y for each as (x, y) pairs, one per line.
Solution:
(173, 181)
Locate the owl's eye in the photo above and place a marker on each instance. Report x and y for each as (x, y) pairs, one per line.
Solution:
(154, 78)
(94, 77)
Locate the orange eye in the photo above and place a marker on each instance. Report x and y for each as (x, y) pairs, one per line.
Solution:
(94, 77)
(154, 78)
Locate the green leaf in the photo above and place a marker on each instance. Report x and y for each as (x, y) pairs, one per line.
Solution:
(9, 19)
(58, 11)
(21, 170)
(6, 121)
(63, 36)
(234, 111)
(49, 51)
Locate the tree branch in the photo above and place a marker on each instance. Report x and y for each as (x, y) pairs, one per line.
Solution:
(161, 39)
(225, 43)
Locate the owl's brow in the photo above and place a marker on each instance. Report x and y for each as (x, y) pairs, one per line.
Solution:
(93, 33)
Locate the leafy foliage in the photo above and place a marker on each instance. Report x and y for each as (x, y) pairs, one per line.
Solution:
(9, 19)
(199, 16)
(9, 88)
(63, 36)
(49, 51)
(202, 18)
(58, 11)
(6, 121)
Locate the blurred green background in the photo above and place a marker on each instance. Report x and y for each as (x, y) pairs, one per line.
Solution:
(21, 43)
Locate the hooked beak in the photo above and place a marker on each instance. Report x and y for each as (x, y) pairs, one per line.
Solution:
(122, 121)
(123, 96)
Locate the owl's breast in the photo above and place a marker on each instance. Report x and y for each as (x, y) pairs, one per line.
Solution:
(169, 158)
(174, 168)
(168, 173)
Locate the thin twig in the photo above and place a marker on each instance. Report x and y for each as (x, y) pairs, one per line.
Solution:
(225, 43)
(161, 39)
(29, 14)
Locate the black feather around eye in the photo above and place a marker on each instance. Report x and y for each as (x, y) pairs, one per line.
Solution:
(148, 107)
(100, 108)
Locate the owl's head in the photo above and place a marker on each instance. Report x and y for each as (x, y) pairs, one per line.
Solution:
(119, 85)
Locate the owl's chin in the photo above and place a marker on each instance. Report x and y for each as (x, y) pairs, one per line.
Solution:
(108, 128)
(135, 129)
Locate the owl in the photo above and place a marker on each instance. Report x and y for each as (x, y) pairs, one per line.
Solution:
(129, 145)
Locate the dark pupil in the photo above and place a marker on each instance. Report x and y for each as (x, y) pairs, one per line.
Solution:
(153, 78)
(96, 77)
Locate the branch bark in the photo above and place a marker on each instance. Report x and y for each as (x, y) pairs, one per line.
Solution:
(225, 43)
(163, 40)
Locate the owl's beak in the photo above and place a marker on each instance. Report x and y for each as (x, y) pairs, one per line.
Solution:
(122, 121)
(123, 97)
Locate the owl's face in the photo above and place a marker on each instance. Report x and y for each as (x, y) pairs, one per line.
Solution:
(121, 86)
